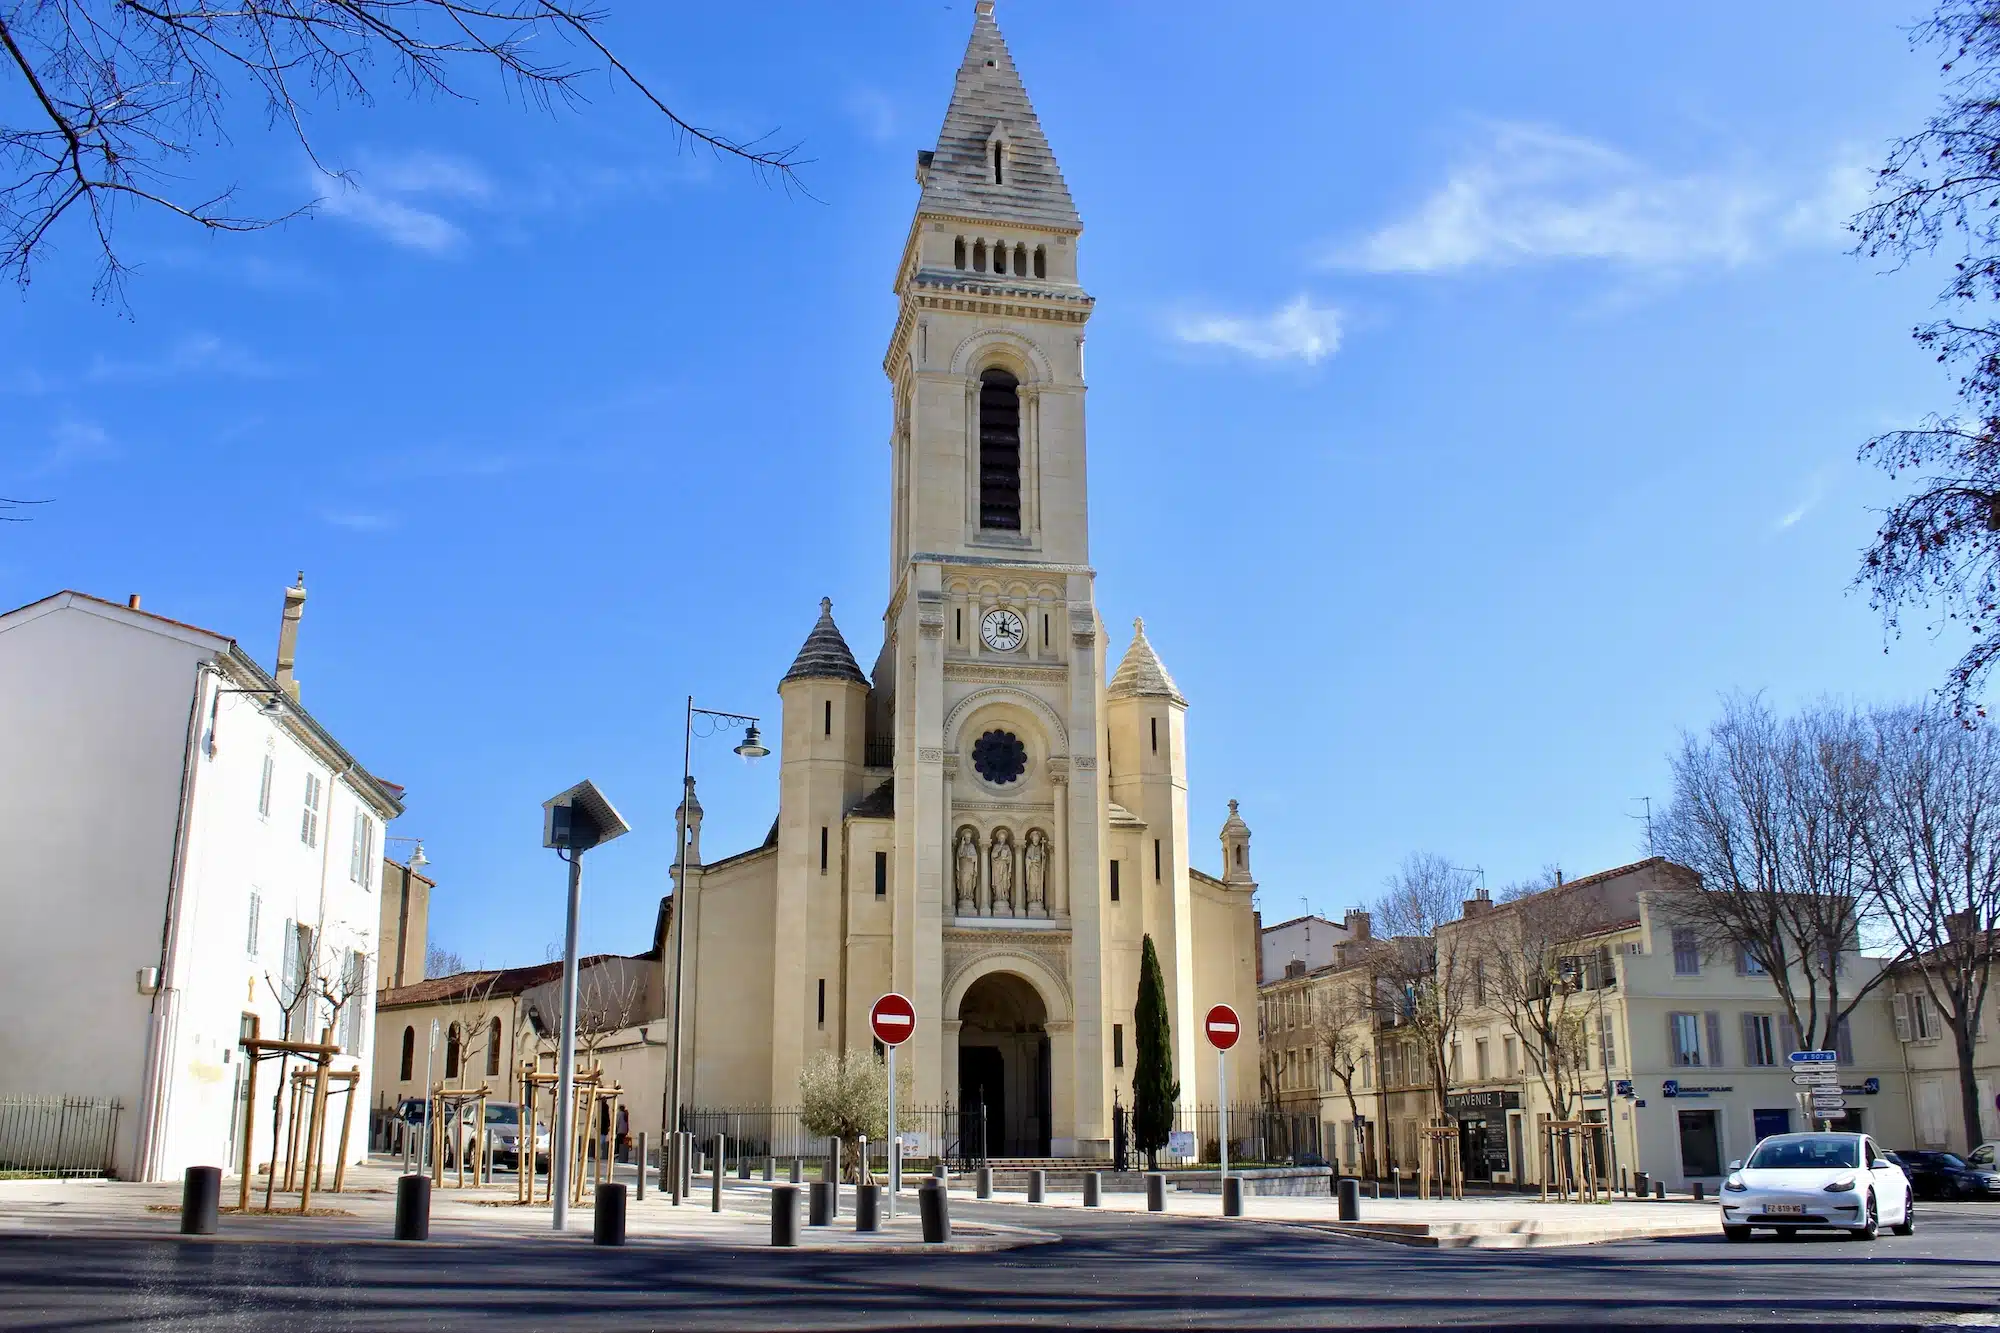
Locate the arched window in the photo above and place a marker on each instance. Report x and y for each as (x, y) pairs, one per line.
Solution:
(493, 1048)
(999, 451)
(1041, 261)
(451, 1049)
(958, 253)
(409, 1053)
(979, 256)
(1020, 260)
(1000, 256)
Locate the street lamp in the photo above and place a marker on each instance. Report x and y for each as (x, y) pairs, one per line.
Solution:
(417, 857)
(573, 822)
(270, 702)
(751, 749)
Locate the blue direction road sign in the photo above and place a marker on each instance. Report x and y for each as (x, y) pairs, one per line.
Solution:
(1814, 1057)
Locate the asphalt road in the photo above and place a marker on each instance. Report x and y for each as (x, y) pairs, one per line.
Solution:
(1110, 1271)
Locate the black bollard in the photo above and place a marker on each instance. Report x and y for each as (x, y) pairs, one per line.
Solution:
(819, 1204)
(1038, 1185)
(1232, 1196)
(1375, 1190)
(201, 1200)
(1659, 1189)
(935, 1207)
(715, 1181)
(1350, 1199)
(1700, 1192)
(607, 1224)
(798, 1172)
(1156, 1192)
(984, 1190)
(785, 1215)
(1093, 1188)
(742, 1167)
(638, 1177)
(1642, 1184)
(867, 1207)
(938, 1172)
(413, 1208)
(770, 1169)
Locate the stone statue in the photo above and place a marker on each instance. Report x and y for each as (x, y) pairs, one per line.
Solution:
(1003, 872)
(968, 872)
(1035, 871)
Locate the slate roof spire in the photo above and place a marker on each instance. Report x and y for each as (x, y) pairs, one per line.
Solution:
(1142, 674)
(825, 655)
(990, 111)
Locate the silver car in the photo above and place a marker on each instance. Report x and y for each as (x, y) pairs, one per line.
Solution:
(1822, 1181)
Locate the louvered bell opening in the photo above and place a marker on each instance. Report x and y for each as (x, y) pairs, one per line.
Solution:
(999, 452)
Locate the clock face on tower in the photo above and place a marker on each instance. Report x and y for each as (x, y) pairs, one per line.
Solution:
(1002, 630)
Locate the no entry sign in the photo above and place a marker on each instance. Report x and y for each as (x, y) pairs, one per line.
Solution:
(893, 1019)
(1222, 1027)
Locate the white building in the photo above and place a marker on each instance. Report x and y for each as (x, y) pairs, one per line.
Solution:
(182, 844)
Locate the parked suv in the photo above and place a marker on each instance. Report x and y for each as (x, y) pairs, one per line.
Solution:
(1943, 1175)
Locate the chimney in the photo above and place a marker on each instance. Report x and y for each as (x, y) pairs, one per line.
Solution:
(1356, 923)
(133, 601)
(288, 637)
(1474, 906)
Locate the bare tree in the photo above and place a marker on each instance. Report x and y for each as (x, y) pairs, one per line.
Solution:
(442, 962)
(1340, 1022)
(119, 96)
(1773, 814)
(1530, 967)
(1936, 852)
(1422, 975)
(1940, 188)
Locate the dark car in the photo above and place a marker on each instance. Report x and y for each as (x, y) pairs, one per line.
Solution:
(1943, 1175)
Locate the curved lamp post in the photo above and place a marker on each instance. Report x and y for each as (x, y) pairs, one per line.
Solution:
(751, 748)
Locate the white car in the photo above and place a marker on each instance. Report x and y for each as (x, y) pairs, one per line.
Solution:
(1819, 1181)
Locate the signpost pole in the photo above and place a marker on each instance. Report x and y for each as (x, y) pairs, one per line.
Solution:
(895, 1144)
(1222, 1106)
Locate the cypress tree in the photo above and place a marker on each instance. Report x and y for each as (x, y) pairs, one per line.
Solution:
(1154, 1088)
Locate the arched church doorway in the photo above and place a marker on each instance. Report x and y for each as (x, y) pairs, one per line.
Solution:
(1003, 1064)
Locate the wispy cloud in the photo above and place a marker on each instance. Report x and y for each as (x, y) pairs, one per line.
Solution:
(190, 354)
(1298, 331)
(398, 197)
(1815, 491)
(75, 442)
(871, 109)
(1527, 194)
(360, 521)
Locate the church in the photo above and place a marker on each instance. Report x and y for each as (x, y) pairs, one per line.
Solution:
(984, 822)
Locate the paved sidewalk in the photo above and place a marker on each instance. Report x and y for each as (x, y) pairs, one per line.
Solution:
(366, 1212)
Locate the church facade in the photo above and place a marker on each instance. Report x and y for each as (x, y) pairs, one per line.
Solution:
(983, 823)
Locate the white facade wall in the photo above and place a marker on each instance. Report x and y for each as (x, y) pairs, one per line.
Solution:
(105, 707)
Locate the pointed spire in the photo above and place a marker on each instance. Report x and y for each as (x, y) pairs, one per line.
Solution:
(990, 113)
(825, 655)
(1142, 674)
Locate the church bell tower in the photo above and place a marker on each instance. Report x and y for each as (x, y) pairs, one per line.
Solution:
(991, 676)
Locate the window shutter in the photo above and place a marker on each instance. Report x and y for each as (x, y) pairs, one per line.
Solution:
(1901, 1004)
(1714, 1039)
(1674, 1040)
(1843, 1042)
(1788, 1034)
(288, 969)
(1751, 1055)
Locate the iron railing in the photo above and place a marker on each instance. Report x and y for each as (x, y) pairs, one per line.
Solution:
(57, 1136)
(779, 1131)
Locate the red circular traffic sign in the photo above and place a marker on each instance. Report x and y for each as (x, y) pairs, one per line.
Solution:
(893, 1019)
(1222, 1027)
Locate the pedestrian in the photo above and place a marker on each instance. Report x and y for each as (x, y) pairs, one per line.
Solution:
(624, 1135)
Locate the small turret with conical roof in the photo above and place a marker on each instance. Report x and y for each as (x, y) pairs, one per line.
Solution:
(1235, 848)
(1142, 674)
(825, 654)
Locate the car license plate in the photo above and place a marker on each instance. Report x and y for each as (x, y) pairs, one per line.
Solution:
(1779, 1209)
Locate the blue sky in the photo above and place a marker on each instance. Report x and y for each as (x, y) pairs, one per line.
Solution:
(1474, 398)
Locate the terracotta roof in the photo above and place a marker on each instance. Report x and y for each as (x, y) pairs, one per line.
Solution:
(504, 981)
(825, 655)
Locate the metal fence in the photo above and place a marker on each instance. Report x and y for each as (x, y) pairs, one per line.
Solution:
(57, 1136)
(766, 1131)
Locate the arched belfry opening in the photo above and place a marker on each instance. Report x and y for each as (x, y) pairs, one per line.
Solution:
(999, 451)
(1003, 1066)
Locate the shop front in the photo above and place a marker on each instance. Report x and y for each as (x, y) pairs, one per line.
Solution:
(1482, 1131)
